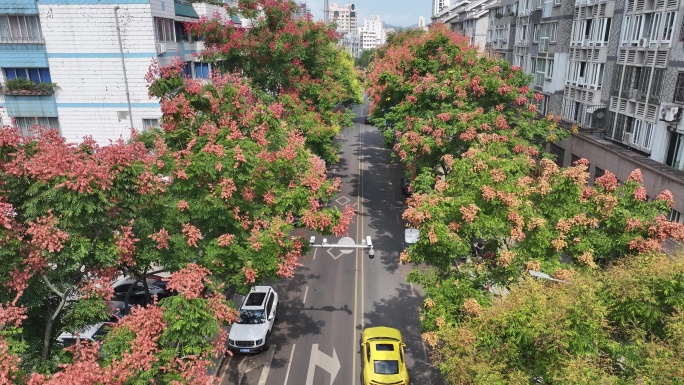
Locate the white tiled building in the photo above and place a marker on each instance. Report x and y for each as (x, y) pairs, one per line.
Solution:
(97, 52)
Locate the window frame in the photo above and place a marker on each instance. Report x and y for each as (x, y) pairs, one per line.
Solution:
(27, 27)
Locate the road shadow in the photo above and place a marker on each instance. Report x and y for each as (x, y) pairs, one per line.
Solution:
(399, 311)
(384, 204)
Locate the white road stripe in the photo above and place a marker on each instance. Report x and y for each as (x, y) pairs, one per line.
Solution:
(305, 292)
(287, 374)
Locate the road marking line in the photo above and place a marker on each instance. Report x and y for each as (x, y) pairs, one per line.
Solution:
(287, 373)
(305, 292)
(315, 250)
(356, 259)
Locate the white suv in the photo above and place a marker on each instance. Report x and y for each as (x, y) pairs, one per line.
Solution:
(252, 332)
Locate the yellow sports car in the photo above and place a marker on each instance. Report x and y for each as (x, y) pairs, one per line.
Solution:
(383, 357)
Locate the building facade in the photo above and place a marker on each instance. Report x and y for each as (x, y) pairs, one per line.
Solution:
(345, 17)
(469, 18)
(96, 54)
(438, 6)
(612, 70)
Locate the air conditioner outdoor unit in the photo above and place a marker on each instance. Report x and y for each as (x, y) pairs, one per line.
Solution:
(633, 93)
(643, 42)
(161, 48)
(670, 114)
(580, 81)
(627, 138)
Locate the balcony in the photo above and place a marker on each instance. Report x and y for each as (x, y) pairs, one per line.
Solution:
(25, 87)
(584, 117)
(22, 40)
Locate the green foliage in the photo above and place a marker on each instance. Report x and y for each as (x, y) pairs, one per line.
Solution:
(573, 333)
(365, 59)
(23, 84)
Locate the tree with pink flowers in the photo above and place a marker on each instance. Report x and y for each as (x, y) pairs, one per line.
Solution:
(296, 61)
(212, 197)
(489, 202)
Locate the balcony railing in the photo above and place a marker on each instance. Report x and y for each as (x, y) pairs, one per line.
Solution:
(22, 40)
(585, 117)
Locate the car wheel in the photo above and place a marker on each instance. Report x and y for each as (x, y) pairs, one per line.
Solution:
(267, 342)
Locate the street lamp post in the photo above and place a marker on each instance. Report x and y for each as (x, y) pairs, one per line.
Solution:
(345, 243)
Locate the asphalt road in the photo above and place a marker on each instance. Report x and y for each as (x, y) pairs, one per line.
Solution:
(334, 295)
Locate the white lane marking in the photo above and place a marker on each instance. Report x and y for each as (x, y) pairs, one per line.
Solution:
(325, 362)
(250, 363)
(287, 373)
(305, 292)
(314, 257)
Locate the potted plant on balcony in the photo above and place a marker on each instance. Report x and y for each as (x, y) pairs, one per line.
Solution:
(22, 86)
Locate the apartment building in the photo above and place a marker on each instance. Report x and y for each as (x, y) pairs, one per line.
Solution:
(613, 70)
(345, 17)
(438, 6)
(469, 18)
(502, 34)
(96, 54)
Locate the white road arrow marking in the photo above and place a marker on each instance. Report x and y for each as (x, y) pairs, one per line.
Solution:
(327, 363)
(252, 362)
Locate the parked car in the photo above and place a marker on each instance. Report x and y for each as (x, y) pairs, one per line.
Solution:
(137, 294)
(383, 356)
(91, 333)
(406, 189)
(252, 331)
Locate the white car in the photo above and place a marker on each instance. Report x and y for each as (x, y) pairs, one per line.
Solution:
(252, 332)
(91, 333)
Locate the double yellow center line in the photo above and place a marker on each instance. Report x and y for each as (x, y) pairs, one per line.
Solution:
(358, 256)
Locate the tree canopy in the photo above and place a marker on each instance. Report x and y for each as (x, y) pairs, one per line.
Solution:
(211, 197)
(490, 203)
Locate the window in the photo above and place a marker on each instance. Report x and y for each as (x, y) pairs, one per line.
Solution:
(648, 135)
(681, 31)
(535, 33)
(181, 33)
(149, 124)
(25, 124)
(674, 216)
(36, 75)
(656, 85)
(655, 26)
(164, 29)
(679, 89)
(625, 30)
(668, 26)
(549, 68)
(598, 172)
(552, 31)
(20, 29)
(202, 70)
(269, 306)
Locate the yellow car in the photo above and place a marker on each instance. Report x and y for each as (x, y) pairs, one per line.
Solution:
(383, 357)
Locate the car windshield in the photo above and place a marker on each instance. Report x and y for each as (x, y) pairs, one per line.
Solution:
(386, 367)
(251, 317)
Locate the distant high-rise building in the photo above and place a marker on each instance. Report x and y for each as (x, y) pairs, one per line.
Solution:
(345, 17)
(301, 11)
(438, 5)
(421, 22)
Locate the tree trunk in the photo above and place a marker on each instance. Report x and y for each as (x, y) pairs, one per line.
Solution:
(47, 337)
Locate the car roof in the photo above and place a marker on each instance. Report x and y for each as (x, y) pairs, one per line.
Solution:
(256, 298)
(384, 354)
(87, 333)
(381, 333)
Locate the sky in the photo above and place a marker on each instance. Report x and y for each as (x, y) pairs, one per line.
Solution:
(400, 13)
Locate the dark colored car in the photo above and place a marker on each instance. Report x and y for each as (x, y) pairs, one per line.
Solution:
(406, 189)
